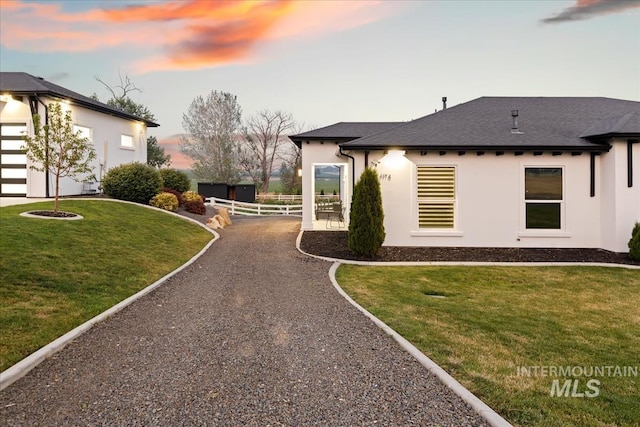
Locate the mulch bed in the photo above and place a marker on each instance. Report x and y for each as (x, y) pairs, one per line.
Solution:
(334, 244)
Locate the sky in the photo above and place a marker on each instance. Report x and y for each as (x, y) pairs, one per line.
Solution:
(325, 61)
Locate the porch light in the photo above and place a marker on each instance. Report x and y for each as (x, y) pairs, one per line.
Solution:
(394, 158)
(300, 172)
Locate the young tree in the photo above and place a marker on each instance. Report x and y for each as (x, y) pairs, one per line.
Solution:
(55, 148)
(210, 126)
(155, 154)
(366, 222)
(121, 100)
(263, 137)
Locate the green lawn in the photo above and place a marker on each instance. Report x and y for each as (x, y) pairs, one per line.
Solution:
(58, 274)
(483, 324)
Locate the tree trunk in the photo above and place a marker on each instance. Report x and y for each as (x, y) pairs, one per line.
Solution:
(55, 201)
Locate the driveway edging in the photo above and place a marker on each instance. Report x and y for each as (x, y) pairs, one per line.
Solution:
(481, 408)
(20, 369)
(484, 410)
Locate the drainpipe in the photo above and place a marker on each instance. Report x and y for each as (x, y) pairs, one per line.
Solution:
(46, 122)
(353, 168)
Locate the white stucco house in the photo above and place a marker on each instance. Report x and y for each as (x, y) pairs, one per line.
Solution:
(493, 172)
(118, 137)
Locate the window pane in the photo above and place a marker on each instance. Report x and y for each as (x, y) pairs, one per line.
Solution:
(436, 214)
(14, 130)
(13, 173)
(543, 183)
(13, 188)
(13, 159)
(12, 144)
(543, 215)
(126, 141)
(85, 132)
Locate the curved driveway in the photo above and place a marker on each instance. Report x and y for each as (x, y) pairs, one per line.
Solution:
(251, 334)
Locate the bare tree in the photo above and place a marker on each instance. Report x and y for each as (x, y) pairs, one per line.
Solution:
(120, 99)
(291, 158)
(210, 126)
(263, 137)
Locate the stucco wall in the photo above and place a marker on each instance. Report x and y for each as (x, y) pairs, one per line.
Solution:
(106, 134)
(490, 209)
(620, 209)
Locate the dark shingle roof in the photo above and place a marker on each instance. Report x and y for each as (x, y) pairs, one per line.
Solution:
(343, 131)
(25, 84)
(485, 123)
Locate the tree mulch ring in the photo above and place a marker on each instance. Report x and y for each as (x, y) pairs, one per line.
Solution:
(335, 244)
(52, 215)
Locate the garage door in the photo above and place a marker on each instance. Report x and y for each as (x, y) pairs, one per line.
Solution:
(13, 160)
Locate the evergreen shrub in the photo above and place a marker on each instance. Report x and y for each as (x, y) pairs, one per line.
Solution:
(175, 180)
(366, 220)
(134, 182)
(634, 243)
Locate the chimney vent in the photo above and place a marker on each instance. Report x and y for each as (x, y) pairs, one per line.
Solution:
(444, 102)
(514, 124)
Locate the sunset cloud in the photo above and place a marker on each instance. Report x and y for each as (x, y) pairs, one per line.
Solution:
(180, 34)
(585, 9)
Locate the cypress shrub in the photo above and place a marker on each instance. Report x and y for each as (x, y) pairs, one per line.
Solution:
(175, 180)
(366, 221)
(634, 243)
(134, 182)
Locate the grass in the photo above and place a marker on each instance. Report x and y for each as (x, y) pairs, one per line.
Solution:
(58, 274)
(494, 320)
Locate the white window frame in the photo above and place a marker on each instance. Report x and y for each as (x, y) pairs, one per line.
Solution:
(82, 130)
(543, 232)
(127, 146)
(437, 232)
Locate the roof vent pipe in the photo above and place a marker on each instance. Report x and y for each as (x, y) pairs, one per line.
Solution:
(444, 102)
(514, 124)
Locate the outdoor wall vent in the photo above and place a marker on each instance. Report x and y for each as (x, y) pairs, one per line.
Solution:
(514, 123)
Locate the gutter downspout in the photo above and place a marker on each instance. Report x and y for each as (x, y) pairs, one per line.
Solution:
(46, 121)
(353, 168)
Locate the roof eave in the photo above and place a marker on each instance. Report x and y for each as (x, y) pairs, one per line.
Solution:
(104, 110)
(532, 148)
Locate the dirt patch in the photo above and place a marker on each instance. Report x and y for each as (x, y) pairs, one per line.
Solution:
(335, 244)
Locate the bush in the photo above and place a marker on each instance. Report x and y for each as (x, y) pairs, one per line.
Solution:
(134, 182)
(366, 222)
(195, 206)
(176, 193)
(175, 180)
(634, 243)
(166, 201)
(192, 196)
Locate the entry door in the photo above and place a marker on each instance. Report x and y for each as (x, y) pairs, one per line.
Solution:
(13, 160)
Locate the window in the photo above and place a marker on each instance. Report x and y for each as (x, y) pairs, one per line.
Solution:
(126, 141)
(84, 131)
(436, 197)
(543, 198)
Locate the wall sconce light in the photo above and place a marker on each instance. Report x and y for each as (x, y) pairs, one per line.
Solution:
(300, 172)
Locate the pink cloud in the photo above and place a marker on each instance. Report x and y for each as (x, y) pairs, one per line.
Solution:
(181, 34)
(178, 160)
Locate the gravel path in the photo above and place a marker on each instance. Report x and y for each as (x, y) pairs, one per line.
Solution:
(252, 334)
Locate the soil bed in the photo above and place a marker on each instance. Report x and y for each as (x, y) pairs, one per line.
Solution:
(53, 214)
(334, 244)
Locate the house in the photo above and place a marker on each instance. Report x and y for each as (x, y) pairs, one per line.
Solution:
(494, 172)
(118, 137)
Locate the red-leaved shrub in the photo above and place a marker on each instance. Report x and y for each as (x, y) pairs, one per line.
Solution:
(195, 206)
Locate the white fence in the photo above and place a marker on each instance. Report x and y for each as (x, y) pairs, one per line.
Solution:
(243, 208)
(294, 197)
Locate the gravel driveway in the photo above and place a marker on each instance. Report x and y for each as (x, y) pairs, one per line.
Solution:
(252, 334)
